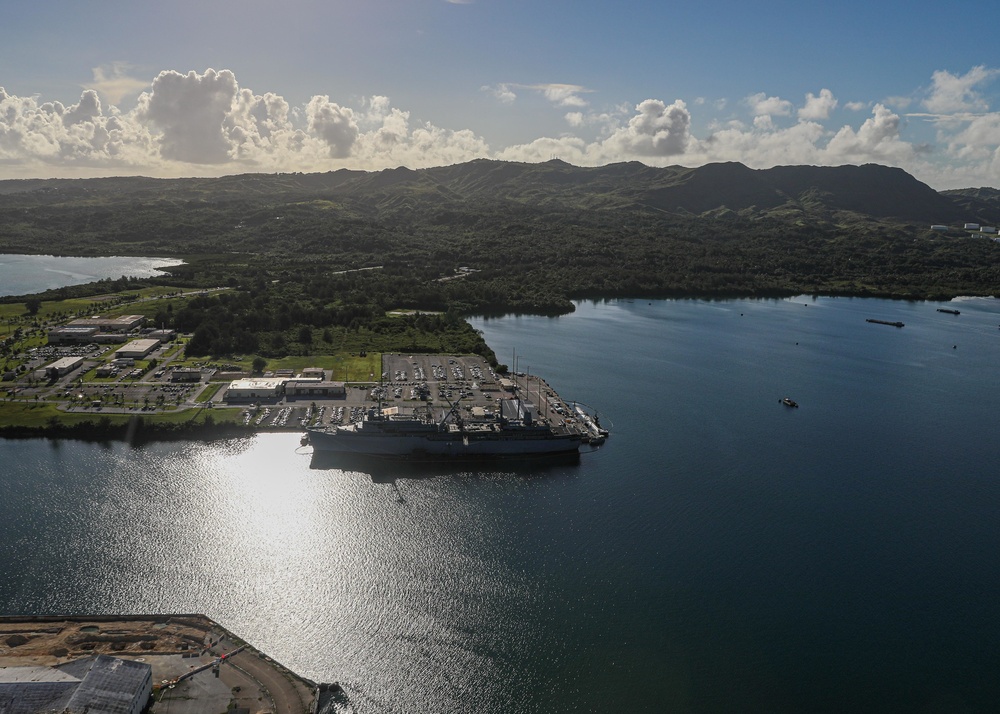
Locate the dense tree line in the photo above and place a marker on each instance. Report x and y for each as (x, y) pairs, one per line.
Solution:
(287, 244)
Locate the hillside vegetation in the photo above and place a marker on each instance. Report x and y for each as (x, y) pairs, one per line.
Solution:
(533, 236)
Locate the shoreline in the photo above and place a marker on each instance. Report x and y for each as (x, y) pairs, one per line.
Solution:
(168, 643)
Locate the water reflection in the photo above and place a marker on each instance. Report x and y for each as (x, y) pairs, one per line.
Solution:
(389, 470)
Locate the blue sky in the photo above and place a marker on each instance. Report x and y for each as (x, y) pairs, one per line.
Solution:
(215, 87)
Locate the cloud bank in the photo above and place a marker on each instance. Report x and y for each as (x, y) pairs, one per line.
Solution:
(207, 124)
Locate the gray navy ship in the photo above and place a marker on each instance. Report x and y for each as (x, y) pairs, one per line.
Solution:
(514, 431)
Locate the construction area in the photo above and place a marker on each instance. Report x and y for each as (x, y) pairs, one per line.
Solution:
(197, 666)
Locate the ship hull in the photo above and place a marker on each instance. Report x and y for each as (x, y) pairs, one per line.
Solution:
(500, 445)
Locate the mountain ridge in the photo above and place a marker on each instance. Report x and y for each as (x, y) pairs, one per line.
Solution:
(881, 192)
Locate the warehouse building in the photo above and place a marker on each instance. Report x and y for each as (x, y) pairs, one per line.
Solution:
(71, 335)
(97, 685)
(162, 335)
(63, 366)
(251, 389)
(314, 388)
(137, 349)
(122, 323)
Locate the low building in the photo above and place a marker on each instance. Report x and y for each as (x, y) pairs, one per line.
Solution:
(507, 385)
(313, 373)
(93, 684)
(162, 335)
(137, 349)
(988, 229)
(252, 389)
(71, 335)
(63, 366)
(122, 323)
(109, 338)
(971, 226)
(296, 388)
(185, 374)
(939, 228)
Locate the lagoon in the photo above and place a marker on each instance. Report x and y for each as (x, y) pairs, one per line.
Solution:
(26, 274)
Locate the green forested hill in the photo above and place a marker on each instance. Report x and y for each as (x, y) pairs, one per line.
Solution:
(535, 235)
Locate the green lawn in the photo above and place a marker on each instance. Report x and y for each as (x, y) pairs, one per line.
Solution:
(38, 415)
(209, 391)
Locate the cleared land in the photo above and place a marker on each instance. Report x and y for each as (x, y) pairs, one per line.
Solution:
(173, 645)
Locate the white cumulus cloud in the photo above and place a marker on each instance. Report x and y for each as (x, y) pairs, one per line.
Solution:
(951, 93)
(657, 129)
(761, 104)
(205, 123)
(114, 83)
(333, 124)
(190, 111)
(819, 107)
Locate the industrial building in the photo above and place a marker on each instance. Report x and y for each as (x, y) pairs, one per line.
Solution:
(71, 335)
(97, 685)
(161, 335)
(122, 323)
(63, 366)
(314, 388)
(137, 349)
(260, 388)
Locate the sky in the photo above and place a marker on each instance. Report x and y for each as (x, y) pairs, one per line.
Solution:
(219, 87)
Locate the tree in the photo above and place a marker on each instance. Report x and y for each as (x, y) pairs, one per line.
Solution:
(258, 365)
(33, 305)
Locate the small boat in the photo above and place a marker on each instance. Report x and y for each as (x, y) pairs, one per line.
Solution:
(788, 402)
(950, 312)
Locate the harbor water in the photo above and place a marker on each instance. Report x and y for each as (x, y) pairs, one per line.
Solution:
(722, 552)
(24, 274)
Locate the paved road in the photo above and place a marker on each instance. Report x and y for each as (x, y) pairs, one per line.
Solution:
(288, 696)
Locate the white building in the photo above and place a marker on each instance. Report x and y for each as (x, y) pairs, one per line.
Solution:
(137, 349)
(63, 366)
(260, 388)
(71, 335)
(123, 323)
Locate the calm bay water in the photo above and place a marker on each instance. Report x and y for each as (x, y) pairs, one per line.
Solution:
(721, 553)
(25, 274)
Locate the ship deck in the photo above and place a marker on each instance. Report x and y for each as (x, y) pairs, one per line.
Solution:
(428, 384)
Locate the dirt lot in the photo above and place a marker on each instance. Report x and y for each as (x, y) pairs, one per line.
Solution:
(173, 645)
